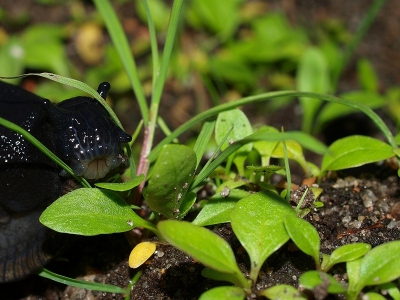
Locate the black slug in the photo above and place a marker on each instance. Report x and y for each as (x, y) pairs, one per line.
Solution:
(81, 132)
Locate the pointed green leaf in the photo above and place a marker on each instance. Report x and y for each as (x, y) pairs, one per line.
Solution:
(203, 245)
(89, 211)
(257, 221)
(381, 264)
(347, 253)
(304, 235)
(170, 178)
(121, 186)
(354, 151)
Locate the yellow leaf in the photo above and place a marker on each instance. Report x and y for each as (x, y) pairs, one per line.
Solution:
(141, 253)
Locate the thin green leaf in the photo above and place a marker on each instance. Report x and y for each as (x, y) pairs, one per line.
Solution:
(332, 111)
(120, 42)
(224, 293)
(203, 245)
(88, 211)
(257, 221)
(171, 176)
(167, 51)
(295, 152)
(83, 87)
(95, 286)
(121, 186)
(203, 139)
(30, 138)
(187, 202)
(267, 96)
(304, 235)
(354, 151)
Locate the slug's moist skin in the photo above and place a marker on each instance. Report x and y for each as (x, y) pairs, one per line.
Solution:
(81, 132)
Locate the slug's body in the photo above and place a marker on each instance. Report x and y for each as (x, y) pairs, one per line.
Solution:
(79, 131)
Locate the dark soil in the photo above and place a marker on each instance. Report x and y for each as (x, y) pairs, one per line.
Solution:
(359, 206)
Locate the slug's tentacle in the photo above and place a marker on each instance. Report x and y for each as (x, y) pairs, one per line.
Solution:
(103, 89)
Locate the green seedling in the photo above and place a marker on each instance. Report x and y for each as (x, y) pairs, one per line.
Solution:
(365, 267)
(257, 221)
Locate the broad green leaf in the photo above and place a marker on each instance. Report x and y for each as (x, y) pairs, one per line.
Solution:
(347, 253)
(381, 264)
(257, 221)
(88, 211)
(312, 76)
(304, 235)
(354, 151)
(121, 186)
(282, 291)
(203, 245)
(224, 293)
(89, 285)
(313, 279)
(367, 76)
(170, 178)
(218, 208)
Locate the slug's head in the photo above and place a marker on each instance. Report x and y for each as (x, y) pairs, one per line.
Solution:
(87, 138)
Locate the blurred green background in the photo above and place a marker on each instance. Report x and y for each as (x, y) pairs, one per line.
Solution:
(226, 49)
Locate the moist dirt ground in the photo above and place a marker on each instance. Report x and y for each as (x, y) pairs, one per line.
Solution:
(360, 205)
